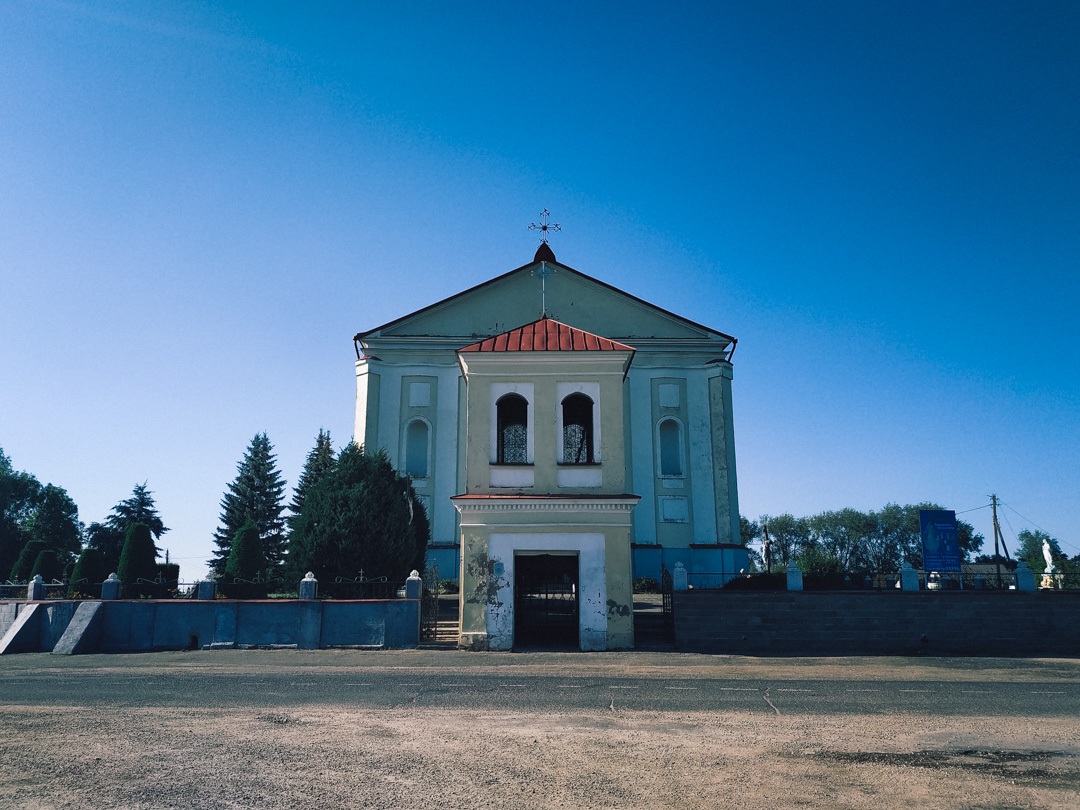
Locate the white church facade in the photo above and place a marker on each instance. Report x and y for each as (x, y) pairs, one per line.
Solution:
(566, 438)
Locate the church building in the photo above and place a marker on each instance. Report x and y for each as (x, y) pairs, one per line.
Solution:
(565, 438)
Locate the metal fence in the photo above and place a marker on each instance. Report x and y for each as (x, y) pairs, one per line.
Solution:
(871, 581)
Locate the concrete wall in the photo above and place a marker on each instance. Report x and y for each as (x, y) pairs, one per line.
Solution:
(875, 623)
(141, 625)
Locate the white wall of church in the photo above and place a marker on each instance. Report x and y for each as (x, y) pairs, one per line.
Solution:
(382, 412)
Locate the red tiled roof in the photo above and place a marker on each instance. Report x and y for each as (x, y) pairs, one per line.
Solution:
(547, 335)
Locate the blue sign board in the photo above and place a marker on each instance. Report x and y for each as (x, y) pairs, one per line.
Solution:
(940, 546)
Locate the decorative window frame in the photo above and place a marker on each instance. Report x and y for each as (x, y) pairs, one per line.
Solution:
(592, 391)
(526, 391)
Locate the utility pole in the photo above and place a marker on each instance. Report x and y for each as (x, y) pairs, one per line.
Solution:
(998, 537)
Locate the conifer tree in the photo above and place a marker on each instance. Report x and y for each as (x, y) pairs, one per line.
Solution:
(257, 493)
(320, 461)
(246, 558)
(24, 563)
(138, 560)
(139, 508)
(362, 516)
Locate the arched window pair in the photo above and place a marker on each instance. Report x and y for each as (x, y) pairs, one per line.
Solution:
(512, 414)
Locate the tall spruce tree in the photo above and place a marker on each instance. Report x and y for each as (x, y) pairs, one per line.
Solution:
(257, 493)
(362, 516)
(320, 461)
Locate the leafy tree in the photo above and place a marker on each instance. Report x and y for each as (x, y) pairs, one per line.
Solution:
(361, 516)
(246, 558)
(320, 461)
(138, 560)
(55, 523)
(844, 535)
(20, 493)
(108, 543)
(749, 531)
(788, 536)
(1030, 550)
(139, 508)
(255, 494)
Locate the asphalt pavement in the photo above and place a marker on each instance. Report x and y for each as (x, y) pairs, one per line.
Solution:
(664, 682)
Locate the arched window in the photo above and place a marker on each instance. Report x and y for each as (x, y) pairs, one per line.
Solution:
(416, 449)
(577, 419)
(671, 448)
(512, 413)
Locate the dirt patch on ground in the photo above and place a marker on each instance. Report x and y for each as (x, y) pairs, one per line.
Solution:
(327, 756)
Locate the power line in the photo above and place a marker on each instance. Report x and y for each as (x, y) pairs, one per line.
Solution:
(974, 509)
(1040, 528)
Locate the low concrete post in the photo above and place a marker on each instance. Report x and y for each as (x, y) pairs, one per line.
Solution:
(35, 591)
(206, 590)
(678, 578)
(413, 585)
(909, 578)
(794, 577)
(309, 587)
(1025, 577)
(110, 588)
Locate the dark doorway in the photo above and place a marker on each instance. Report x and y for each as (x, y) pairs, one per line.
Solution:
(546, 601)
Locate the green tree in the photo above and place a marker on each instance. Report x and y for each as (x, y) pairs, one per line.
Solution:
(138, 560)
(255, 494)
(55, 523)
(246, 558)
(90, 571)
(844, 535)
(108, 543)
(362, 516)
(20, 494)
(1030, 550)
(24, 563)
(788, 536)
(320, 461)
(48, 566)
(139, 508)
(749, 531)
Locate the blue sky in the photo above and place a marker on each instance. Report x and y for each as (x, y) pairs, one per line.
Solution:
(200, 204)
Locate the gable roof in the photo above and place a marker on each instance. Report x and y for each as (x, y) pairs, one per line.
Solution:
(547, 335)
(492, 307)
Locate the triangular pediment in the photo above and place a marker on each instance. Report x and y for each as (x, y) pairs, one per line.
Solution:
(570, 296)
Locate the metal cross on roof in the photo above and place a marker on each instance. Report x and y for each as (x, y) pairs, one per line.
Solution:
(544, 227)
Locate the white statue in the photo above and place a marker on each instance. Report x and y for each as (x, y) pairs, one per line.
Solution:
(1048, 557)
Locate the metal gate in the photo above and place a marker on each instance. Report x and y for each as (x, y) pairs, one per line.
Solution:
(546, 605)
(429, 604)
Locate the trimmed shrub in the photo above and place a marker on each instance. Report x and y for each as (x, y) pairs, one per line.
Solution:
(138, 560)
(48, 565)
(246, 559)
(24, 564)
(91, 568)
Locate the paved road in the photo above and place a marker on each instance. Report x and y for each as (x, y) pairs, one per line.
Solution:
(547, 682)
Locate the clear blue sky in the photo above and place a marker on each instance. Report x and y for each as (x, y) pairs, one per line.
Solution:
(200, 204)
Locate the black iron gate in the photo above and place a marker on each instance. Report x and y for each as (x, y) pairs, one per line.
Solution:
(667, 587)
(546, 605)
(429, 604)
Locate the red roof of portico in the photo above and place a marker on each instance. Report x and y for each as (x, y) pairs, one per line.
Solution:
(547, 335)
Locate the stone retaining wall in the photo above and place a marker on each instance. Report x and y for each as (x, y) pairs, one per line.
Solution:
(984, 623)
(148, 624)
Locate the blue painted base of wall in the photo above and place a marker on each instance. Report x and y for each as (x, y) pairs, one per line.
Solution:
(447, 557)
(142, 625)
